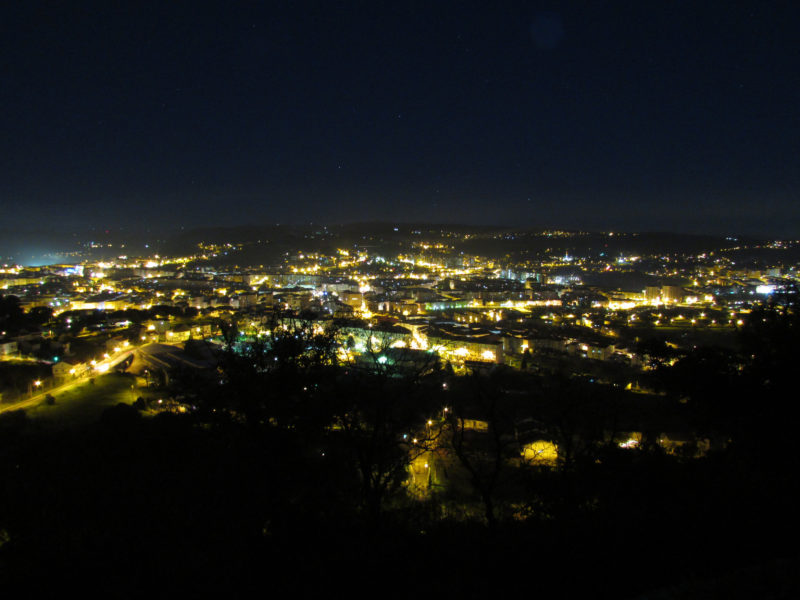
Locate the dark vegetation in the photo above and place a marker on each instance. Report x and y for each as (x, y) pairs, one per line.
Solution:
(13, 319)
(291, 477)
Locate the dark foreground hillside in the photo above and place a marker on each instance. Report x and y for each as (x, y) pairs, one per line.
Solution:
(134, 505)
(279, 486)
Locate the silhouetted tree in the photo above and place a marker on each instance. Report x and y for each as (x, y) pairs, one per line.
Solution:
(480, 430)
(384, 429)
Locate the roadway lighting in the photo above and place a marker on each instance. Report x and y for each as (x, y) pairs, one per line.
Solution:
(37, 383)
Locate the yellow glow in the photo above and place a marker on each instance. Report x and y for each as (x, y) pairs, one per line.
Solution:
(633, 441)
(621, 305)
(540, 452)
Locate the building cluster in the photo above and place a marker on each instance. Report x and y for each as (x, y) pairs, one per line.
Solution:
(471, 310)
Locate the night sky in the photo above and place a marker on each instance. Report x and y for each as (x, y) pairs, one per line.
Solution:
(611, 115)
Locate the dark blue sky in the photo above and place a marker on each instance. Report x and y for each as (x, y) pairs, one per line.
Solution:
(594, 115)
